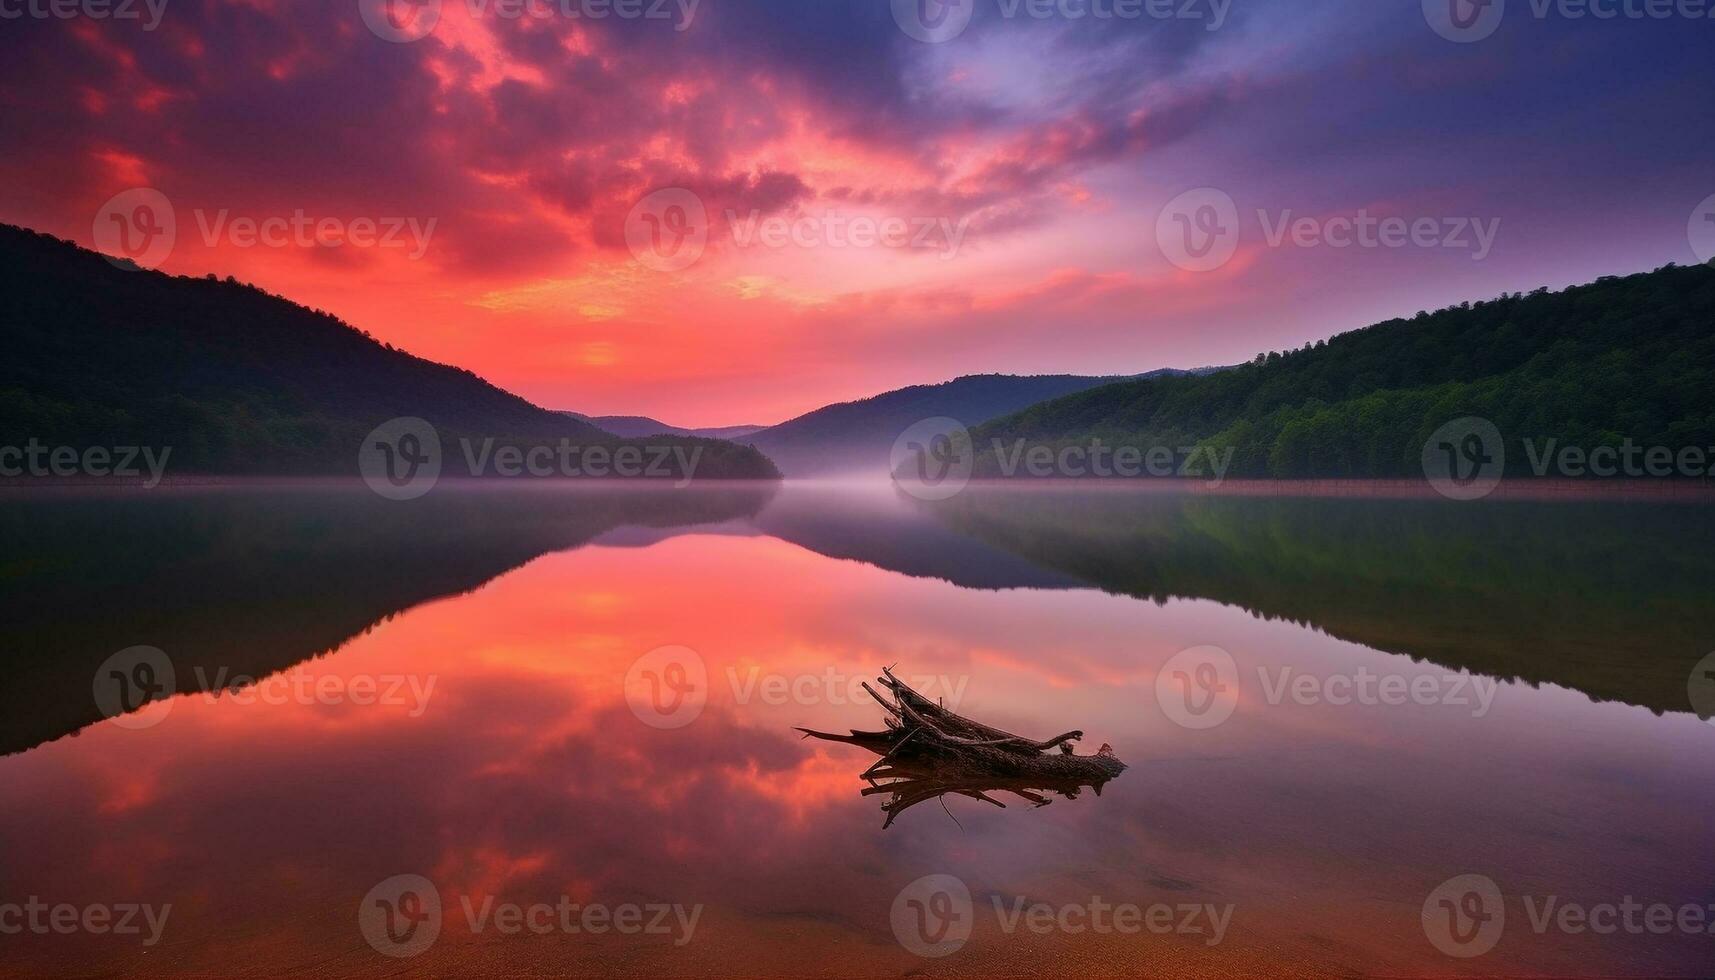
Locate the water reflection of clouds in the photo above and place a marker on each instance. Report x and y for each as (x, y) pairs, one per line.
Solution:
(529, 776)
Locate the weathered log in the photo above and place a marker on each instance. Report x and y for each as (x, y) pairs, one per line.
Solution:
(927, 752)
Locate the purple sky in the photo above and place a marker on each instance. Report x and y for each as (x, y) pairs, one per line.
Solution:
(1035, 170)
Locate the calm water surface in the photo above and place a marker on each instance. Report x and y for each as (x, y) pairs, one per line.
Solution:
(1559, 756)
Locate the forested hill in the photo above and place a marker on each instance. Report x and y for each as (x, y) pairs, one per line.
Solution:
(634, 426)
(233, 379)
(1622, 358)
(857, 437)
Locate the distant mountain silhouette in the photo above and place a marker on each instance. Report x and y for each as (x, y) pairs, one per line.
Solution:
(236, 380)
(857, 524)
(857, 437)
(867, 523)
(1622, 358)
(638, 426)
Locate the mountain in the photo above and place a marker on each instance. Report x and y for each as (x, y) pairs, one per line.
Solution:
(857, 437)
(236, 380)
(638, 426)
(1629, 358)
(1618, 610)
(251, 583)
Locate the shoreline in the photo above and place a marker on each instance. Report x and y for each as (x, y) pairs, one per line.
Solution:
(1528, 488)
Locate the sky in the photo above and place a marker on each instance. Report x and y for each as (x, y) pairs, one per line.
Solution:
(726, 212)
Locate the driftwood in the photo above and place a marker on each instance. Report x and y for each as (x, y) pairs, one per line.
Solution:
(927, 752)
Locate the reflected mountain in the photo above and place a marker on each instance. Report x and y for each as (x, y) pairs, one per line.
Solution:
(1614, 598)
(256, 580)
(866, 522)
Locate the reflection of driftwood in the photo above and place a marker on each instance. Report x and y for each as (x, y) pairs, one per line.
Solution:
(927, 752)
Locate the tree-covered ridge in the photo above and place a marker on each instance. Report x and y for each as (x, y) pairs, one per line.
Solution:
(1621, 610)
(235, 379)
(1622, 358)
(857, 437)
(257, 581)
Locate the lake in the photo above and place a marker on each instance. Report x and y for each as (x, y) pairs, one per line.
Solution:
(551, 730)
